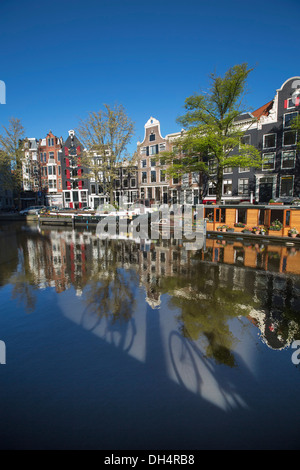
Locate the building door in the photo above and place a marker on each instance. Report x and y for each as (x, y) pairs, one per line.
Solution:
(265, 189)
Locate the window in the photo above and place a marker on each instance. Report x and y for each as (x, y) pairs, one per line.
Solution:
(288, 118)
(144, 163)
(286, 186)
(144, 177)
(152, 137)
(268, 161)
(242, 216)
(50, 142)
(153, 162)
(243, 187)
(162, 147)
(269, 141)
(153, 176)
(132, 183)
(162, 176)
(227, 187)
(52, 184)
(210, 215)
(244, 169)
(211, 188)
(175, 180)
(212, 165)
(227, 170)
(144, 150)
(50, 171)
(290, 103)
(51, 155)
(153, 149)
(246, 139)
(125, 183)
(289, 138)
(288, 159)
(261, 217)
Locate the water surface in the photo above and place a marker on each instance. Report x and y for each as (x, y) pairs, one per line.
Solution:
(125, 344)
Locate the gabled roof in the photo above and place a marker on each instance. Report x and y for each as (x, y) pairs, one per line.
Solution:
(263, 110)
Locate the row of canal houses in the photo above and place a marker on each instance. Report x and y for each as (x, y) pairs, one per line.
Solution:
(54, 176)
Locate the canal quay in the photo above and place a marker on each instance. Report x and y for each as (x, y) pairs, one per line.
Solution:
(130, 343)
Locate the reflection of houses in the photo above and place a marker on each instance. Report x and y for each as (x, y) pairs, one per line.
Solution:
(64, 259)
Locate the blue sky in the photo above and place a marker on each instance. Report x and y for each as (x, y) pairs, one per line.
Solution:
(62, 59)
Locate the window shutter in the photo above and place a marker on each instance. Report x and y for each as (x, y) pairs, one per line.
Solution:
(78, 150)
(156, 148)
(285, 104)
(147, 150)
(66, 151)
(79, 184)
(67, 162)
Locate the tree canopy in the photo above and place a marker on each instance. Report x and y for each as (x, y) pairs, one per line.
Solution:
(211, 139)
(105, 133)
(11, 155)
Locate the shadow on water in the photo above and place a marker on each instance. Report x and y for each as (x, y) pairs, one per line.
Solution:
(145, 346)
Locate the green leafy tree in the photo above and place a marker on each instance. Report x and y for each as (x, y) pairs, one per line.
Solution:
(12, 155)
(107, 134)
(211, 139)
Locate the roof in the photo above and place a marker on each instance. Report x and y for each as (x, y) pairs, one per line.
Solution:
(263, 110)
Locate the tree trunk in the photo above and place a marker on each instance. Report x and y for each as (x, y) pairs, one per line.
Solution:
(219, 186)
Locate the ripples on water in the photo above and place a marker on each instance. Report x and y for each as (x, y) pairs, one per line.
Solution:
(204, 325)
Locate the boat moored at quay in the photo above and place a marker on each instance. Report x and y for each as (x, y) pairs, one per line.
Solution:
(273, 220)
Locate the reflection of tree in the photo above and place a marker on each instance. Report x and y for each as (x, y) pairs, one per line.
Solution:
(8, 255)
(25, 280)
(111, 287)
(23, 288)
(206, 307)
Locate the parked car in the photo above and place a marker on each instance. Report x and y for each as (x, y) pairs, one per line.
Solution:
(33, 210)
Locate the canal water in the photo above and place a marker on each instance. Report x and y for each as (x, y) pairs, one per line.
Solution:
(138, 344)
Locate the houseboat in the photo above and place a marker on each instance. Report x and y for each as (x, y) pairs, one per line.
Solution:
(273, 219)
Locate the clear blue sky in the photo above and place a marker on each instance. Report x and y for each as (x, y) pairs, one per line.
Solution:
(62, 59)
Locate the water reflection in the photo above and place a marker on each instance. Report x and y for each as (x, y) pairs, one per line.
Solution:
(159, 300)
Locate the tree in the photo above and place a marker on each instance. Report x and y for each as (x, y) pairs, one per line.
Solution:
(107, 134)
(211, 139)
(11, 155)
